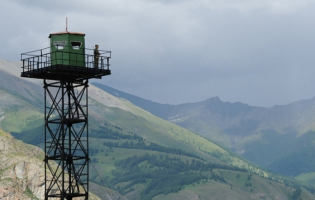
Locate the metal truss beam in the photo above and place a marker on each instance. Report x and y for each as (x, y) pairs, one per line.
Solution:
(66, 140)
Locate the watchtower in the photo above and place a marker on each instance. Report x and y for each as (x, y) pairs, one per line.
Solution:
(66, 67)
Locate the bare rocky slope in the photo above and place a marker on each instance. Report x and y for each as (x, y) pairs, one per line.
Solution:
(21, 170)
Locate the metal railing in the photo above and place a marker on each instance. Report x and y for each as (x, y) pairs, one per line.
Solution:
(38, 59)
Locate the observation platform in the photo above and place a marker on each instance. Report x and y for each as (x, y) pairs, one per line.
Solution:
(66, 66)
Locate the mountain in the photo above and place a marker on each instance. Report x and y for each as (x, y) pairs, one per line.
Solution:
(159, 110)
(275, 137)
(22, 172)
(141, 156)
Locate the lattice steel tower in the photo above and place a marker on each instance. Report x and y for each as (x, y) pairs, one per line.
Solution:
(65, 69)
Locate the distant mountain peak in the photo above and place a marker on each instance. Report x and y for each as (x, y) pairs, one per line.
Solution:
(216, 98)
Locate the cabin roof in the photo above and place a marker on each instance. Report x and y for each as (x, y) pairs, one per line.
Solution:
(66, 32)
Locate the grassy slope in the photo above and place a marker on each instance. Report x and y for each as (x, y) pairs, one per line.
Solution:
(151, 128)
(287, 154)
(155, 132)
(159, 131)
(236, 189)
(307, 177)
(162, 132)
(193, 140)
(19, 114)
(22, 120)
(275, 143)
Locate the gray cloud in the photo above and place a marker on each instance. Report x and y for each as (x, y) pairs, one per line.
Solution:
(256, 52)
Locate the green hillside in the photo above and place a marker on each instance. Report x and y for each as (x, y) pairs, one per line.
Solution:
(132, 157)
(280, 138)
(141, 156)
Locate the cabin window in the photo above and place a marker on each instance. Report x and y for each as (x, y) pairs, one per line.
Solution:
(76, 45)
(60, 44)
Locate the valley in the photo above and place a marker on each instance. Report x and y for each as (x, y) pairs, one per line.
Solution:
(280, 138)
(138, 154)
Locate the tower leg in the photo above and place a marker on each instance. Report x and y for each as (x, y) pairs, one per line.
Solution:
(66, 140)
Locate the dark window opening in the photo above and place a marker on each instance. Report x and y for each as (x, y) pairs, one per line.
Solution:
(76, 45)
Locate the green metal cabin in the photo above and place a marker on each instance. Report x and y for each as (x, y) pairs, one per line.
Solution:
(67, 48)
(65, 59)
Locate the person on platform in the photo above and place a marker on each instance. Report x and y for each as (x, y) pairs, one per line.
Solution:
(96, 56)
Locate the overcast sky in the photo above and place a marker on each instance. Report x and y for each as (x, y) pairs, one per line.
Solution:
(177, 51)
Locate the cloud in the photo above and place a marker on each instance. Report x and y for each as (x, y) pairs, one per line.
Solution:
(185, 47)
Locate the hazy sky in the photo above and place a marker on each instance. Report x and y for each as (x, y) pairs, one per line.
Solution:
(176, 51)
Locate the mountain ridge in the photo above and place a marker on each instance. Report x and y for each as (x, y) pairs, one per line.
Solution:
(246, 130)
(133, 150)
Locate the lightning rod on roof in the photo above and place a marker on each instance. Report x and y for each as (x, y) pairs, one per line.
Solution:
(66, 23)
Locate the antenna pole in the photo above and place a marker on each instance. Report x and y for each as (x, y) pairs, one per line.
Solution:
(66, 23)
